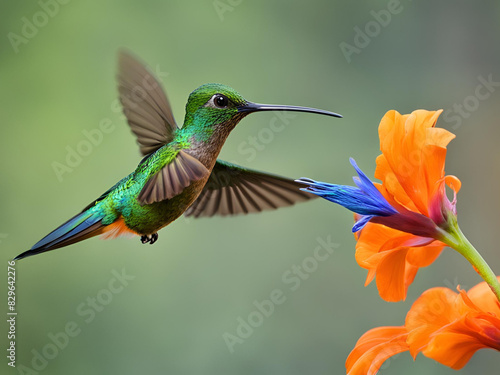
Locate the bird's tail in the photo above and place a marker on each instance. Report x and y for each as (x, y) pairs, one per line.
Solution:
(80, 227)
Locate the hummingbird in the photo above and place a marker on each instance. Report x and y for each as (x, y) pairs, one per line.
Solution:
(179, 173)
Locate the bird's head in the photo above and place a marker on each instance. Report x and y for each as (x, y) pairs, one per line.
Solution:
(215, 107)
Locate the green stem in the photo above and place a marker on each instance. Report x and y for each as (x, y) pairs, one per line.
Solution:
(455, 239)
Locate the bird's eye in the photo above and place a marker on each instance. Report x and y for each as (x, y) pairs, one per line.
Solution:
(221, 101)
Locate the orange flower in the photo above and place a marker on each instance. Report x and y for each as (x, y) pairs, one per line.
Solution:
(446, 326)
(401, 224)
(411, 169)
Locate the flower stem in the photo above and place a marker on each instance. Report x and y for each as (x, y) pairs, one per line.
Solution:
(455, 239)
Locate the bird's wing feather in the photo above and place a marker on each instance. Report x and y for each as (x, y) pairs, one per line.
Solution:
(172, 179)
(145, 104)
(233, 190)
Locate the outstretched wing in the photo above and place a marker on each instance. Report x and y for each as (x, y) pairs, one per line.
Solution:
(172, 179)
(233, 190)
(145, 104)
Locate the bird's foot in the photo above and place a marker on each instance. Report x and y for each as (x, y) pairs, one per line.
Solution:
(149, 239)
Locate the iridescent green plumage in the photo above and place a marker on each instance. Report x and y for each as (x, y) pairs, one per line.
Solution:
(180, 172)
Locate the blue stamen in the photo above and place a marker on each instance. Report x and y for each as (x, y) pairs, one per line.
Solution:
(364, 199)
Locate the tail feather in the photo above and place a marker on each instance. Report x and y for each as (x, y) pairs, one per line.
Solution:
(80, 227)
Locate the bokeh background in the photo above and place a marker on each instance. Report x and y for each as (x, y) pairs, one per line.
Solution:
(202, 276)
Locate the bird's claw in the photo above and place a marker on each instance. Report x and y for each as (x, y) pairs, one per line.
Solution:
(149, 239)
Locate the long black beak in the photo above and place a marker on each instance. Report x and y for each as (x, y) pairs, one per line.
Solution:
(250, 107)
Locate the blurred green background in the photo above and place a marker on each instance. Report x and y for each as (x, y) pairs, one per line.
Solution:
(193, 286)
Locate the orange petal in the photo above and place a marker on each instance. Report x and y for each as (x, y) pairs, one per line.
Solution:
(373, 348)
(431, 311)
(376, 250)
(413, 157)
(391, 274)
(370, 276)
(426, 118)
(384, 173)
(387, 124)
(453, 182)
(454, 344)
(402, 149)
(482, 296)
(410, 273)
(425, 255)
(439, 137)
(434, 168)
(434, 309)
(452, 349)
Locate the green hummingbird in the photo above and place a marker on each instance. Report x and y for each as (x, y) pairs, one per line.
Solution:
(180, 173)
